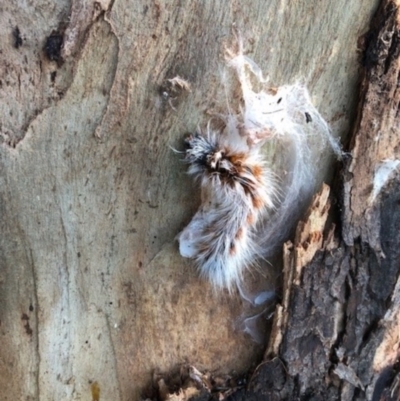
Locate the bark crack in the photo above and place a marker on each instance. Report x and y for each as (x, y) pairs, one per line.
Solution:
(36, 309)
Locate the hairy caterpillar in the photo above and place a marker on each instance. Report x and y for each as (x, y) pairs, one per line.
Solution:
(236, 190)
(245, 210)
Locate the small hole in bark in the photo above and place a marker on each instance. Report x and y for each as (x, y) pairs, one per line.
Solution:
(17, 38)
(53, 47)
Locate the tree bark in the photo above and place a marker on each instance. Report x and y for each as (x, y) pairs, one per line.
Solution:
(336, 333)
(94, 296)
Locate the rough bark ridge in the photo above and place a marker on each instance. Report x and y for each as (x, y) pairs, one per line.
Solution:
(336, 332)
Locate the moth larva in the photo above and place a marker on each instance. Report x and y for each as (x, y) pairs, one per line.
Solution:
(236, 190)
(241, 217)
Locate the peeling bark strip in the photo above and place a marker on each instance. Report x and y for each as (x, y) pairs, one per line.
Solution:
(375, 150)
(338, 335)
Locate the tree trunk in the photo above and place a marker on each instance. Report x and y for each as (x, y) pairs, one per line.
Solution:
(93, 293)
(336, 333)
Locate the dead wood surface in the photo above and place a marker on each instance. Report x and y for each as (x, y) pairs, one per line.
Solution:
(93, 294)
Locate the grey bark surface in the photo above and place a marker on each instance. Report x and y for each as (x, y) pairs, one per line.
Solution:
(92, 288)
